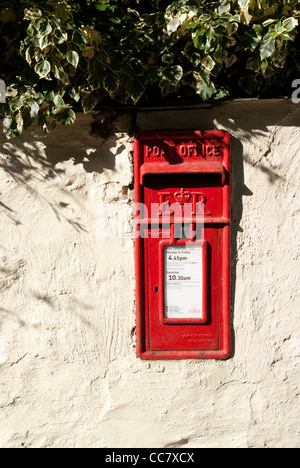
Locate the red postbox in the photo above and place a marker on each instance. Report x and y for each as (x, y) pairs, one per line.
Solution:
(182, 244)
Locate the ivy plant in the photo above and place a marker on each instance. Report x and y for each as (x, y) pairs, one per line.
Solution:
(59, 57)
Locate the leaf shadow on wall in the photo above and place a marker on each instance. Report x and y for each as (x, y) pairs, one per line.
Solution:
(239, 158)
(38, 175)
(31, 163)
(24, 163)
(239, 190)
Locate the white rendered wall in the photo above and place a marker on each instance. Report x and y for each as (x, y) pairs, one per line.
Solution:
(69, 375)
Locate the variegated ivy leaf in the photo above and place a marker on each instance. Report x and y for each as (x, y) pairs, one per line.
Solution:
(73, 58)
(43, 68)
(66, 55)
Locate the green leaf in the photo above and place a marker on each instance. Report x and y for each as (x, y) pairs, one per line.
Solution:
(111, 83)
(11, 91)
(224, 7)
(74, 93)
(132, 67)
(28, 56)
(27, 119)
(65, 115)
(80, 39)
(264, 65)
(206, 89)
(173, 74)
(42, 122)
(290, 24)
(155, 74)
(229, 61)
(41, 41)
(208, 63)
(33, 13)
(167, 88)
(60, 35)
(11, 128)
(73, 58)
(268, 22)
(62, 48)
(192, 54)
(45, 29)
(88, 102)
(134, 89)
(173, 25)
(286, 37)
(60, 75)
(56, 21)
(96, 75)
(34, 109)
(254, 64)
(20, 122)
(248, 83)
(37, 23)
(39, 98)
(7, 121)
(268, 47)
(15, 104)
(168, 58)
(43, 68)
(58, 101)
(222, 93)
(30, 30)
(191, 78)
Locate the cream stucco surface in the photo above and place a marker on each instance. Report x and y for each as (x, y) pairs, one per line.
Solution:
(69, 375)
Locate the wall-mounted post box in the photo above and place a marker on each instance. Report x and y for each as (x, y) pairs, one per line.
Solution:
(182, 244)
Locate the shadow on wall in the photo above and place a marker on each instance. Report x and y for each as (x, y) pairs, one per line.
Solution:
(261, 137)
(28, 164)
(34, 160)
(31, 161)
(76, 304)
(239, 190)
(239, 157)
(252, 125)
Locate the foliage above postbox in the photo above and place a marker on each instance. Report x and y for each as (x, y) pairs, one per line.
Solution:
(58, 57)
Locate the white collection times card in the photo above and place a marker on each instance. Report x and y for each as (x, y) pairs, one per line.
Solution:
(183, 281)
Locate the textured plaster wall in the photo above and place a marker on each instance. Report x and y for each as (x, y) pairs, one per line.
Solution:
(69, 375)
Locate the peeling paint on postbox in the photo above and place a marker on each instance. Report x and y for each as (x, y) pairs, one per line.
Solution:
(182, 244)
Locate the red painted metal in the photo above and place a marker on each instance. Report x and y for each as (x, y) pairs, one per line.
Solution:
(173, 169)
